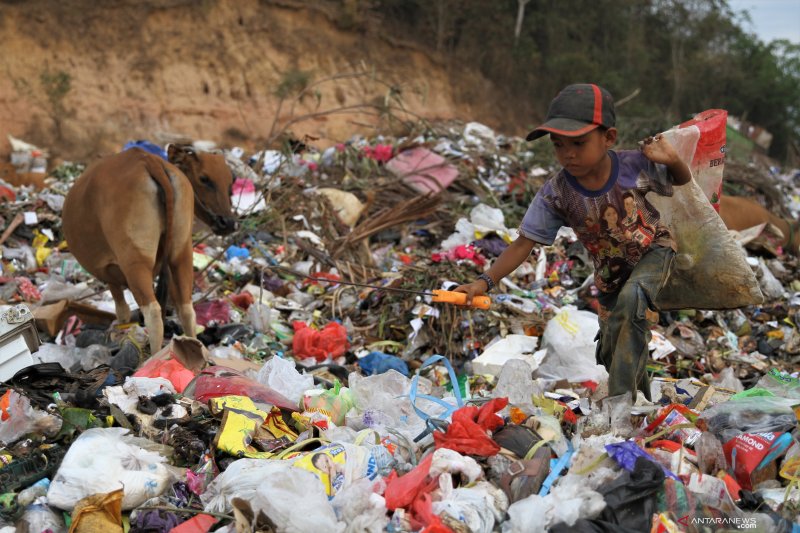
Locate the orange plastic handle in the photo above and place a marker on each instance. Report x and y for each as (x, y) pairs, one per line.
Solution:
(460, 298)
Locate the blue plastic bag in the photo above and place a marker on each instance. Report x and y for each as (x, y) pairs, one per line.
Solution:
(379, 362)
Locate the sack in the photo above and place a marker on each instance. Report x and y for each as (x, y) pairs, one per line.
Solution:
(103, 460)
(710, 270)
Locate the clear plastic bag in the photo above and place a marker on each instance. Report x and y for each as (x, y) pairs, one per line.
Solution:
(23, 418)
(40, 517)
(780, 384)
(748, 415)
(710, 270)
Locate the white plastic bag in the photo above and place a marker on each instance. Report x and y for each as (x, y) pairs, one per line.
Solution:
(240, 480)
(295, 501)
(569, 339)
(282, 376)
(102, 460)
(478, 506)
(566, 504)
(521, 347)
(361, 507)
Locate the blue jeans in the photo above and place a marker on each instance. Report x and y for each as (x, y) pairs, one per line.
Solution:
(625, 332)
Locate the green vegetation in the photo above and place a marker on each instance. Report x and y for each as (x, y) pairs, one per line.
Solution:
(683, 55)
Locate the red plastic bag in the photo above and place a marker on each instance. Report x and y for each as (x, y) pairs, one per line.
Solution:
(330, 341)
(412, 492)
(169, 369)
(467, 433)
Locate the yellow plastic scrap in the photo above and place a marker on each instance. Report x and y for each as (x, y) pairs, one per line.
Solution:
(236, 434)
(241, 419)
(241, 404)
(42, 252)
(549, 406)
(277, 426)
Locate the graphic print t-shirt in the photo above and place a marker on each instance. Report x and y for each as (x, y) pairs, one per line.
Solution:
(616, 224)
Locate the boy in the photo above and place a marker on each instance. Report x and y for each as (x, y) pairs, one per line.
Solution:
(595, 194)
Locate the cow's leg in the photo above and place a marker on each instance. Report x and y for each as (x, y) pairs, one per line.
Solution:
(140, 281)
(121, 306)
(182, 272)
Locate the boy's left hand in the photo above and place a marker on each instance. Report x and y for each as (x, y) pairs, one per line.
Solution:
(659, 150)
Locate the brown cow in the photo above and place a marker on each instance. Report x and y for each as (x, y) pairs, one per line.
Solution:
(742, 213)
(129, 216)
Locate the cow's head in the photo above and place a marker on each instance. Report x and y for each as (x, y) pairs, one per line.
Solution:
(211, 180)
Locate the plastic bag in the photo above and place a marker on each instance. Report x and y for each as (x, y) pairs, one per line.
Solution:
(478, 506)
(710, 270)
(748, 415)
(467, 433)
(216, 381)
(102, 460)
(295, 500)
(240, 480)
(511, 347)
(515, 383)
(382, 401)
(569, 338)
(329, 342)
(281, 375)
(361, 507)
(334, 403)
(19, 418)
(379, 362)
(170, 369)
(780, 384)
(563, 505)
(630, 502)
(39, 517)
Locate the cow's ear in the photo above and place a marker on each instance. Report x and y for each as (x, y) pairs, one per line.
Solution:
(178, 154)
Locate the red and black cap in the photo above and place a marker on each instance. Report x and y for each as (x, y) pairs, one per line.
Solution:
(578, 109)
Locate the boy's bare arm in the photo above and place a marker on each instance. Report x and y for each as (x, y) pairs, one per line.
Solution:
(509, 260)
(659, 150)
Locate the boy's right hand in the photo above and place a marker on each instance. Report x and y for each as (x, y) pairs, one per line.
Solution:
(476, 288)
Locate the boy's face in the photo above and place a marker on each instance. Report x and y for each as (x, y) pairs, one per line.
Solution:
(583, 155)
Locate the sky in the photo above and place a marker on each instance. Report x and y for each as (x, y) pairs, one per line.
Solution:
(772, 19)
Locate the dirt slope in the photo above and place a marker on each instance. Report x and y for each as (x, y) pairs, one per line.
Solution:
(81, 77)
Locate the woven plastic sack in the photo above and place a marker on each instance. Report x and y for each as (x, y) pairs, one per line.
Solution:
(710, 270)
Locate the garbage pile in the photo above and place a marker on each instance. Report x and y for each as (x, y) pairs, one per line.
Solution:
(320, 395)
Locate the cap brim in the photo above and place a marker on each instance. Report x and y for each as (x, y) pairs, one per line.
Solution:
(561, 126)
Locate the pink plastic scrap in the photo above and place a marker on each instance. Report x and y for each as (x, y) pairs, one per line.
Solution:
(423, 170)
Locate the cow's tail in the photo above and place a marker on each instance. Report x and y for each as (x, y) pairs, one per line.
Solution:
(166, 192)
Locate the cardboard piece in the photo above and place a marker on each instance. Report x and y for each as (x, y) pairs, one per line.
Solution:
(240, 365)
(702, 398)
(50, 318)
(188, 351)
